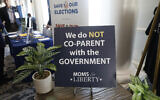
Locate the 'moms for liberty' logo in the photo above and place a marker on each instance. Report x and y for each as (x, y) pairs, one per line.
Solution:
(85, 77)
(66, 8)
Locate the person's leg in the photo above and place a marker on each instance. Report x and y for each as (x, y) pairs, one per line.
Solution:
(3, 77)
(1, 61)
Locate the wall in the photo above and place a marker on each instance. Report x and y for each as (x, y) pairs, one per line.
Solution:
(122, 14)
(41, 13)
(145, 15)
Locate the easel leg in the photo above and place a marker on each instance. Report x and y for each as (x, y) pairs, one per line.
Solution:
(91, 92)
(74, 91)
(156, 67)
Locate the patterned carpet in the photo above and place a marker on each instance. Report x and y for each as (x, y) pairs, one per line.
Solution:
(17, 92)
(21, 91)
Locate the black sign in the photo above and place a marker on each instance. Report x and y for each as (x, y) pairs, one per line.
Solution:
(87, 58)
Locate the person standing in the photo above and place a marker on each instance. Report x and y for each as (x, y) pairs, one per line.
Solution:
(31, 22)
(10, 16)
(3, 76)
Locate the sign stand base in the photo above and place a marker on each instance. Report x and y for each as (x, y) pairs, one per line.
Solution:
(76, 89)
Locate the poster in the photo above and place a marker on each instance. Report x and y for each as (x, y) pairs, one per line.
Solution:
(87, 57)
(70, 13)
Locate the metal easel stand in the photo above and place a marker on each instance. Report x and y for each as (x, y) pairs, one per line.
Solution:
(146, 49)
(76, 89)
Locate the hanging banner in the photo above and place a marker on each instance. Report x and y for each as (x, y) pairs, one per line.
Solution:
(87, 58)
(69, 13)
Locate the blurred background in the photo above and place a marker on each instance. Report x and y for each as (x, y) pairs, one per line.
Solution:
(38, 9)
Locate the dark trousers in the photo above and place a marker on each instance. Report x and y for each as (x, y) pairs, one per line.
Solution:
(13, 27)
(1, 60)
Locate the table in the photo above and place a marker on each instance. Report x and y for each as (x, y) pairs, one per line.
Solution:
(66, 93)
(17, 44)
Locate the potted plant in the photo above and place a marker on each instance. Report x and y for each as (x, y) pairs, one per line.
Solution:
(38, 60)
(141, 90)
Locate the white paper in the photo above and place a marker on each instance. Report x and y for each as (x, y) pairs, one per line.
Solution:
(11, 36)
(17, 15)
(43, 39)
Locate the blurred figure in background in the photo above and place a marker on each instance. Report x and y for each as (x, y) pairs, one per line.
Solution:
(31, 22)
(10, 17)
(3, 77)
